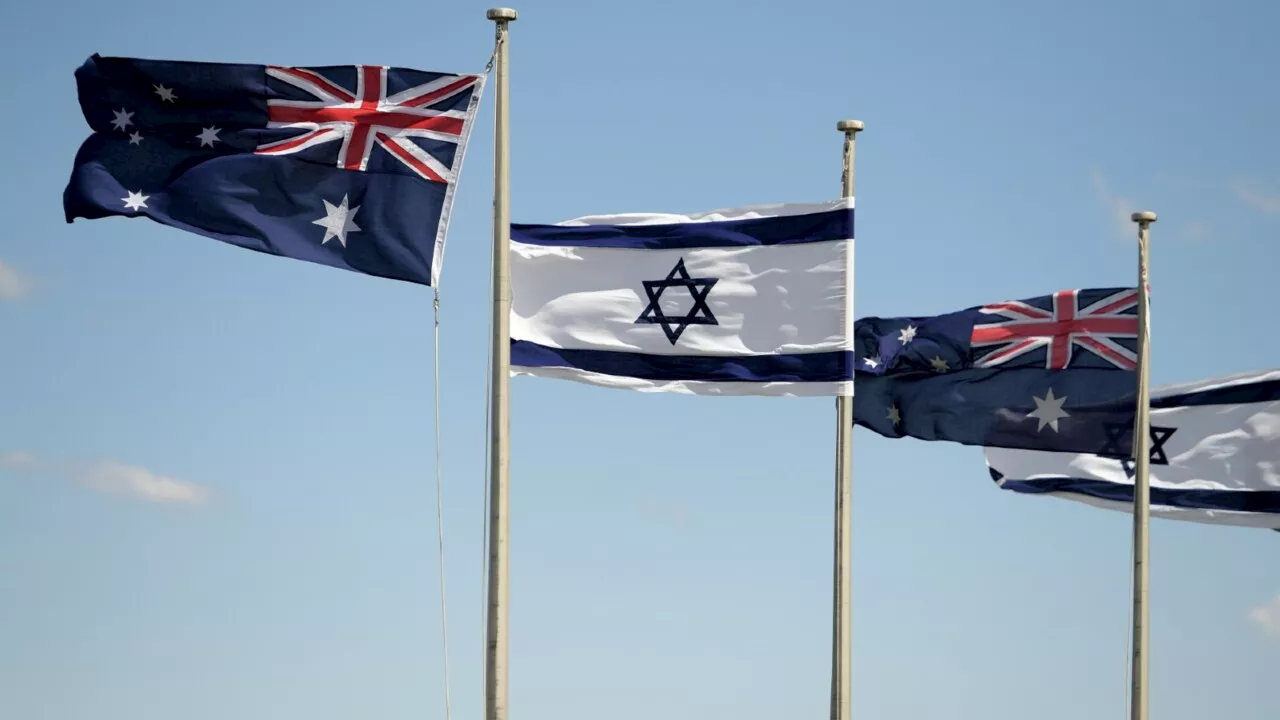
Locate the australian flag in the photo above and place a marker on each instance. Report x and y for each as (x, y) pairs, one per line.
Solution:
(354, 167)
(1055, 373)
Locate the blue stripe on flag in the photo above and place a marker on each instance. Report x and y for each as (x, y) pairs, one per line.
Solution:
(782, 230)
(1232, 394)
(807, 367)
(1255, 501)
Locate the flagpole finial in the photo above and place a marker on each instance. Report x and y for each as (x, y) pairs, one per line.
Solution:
(499, 14)
(849, 127)
(1146, 217)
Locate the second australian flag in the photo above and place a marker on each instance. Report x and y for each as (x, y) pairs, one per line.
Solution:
(1055, 373)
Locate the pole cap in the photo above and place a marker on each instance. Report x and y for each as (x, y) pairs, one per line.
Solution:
(1143, 218)
(849, 126)
(501, 14)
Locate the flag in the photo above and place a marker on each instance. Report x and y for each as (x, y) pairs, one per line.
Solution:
(1215, 457)
(1055, 372)
(747, 301)
(353, 167)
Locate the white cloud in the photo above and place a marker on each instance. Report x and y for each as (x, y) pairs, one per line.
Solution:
(118, 478)
(17, 459)
(1267, 617)
(12, 285)
(1119, 208)
(1256, 199)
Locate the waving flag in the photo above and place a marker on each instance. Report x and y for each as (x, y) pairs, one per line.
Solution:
(748, 301)
(1215, 457)
(353, 167)
(1054, 372)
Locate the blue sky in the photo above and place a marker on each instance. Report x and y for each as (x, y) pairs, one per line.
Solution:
(216, 495)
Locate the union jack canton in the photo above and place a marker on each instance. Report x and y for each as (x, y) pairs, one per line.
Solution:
(1099, 327)
(351, 166)
(419, 127)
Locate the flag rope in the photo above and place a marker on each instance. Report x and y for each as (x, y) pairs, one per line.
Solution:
(488, 68)
(435, 392)
(484, 523)
(1128, 642)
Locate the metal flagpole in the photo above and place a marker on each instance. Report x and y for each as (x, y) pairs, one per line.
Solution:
(841, 636)
(1141, 480)
(495, 694)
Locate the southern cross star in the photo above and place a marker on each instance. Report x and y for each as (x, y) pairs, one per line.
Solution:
(209, 136)
(674, 325)
(124, 119)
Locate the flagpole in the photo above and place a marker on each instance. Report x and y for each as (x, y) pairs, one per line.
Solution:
(495, 692)
(841, 635)
(1142, 480)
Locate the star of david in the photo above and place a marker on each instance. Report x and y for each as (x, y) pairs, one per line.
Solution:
(1115, 433)
(1159, 436)
(699, 314)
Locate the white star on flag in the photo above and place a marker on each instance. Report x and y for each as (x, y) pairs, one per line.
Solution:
(208, 136)
(338, 220)
(1048, 411)
(907, 335)
(135, 138)
(165, 93)
(124, 119)
(136, 200)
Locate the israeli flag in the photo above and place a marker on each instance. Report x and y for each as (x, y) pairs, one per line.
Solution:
(1215, 457)
(749, 301)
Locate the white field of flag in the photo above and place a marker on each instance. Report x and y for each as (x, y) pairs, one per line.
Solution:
(1215, 457)
(748, 301)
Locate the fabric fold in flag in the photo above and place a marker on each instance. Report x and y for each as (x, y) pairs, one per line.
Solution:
(1215, 457)
(748, 301)
(353, 167)
(1055, 372)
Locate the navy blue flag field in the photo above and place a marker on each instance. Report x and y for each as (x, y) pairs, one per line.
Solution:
(354, 167)
(1055, 373)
